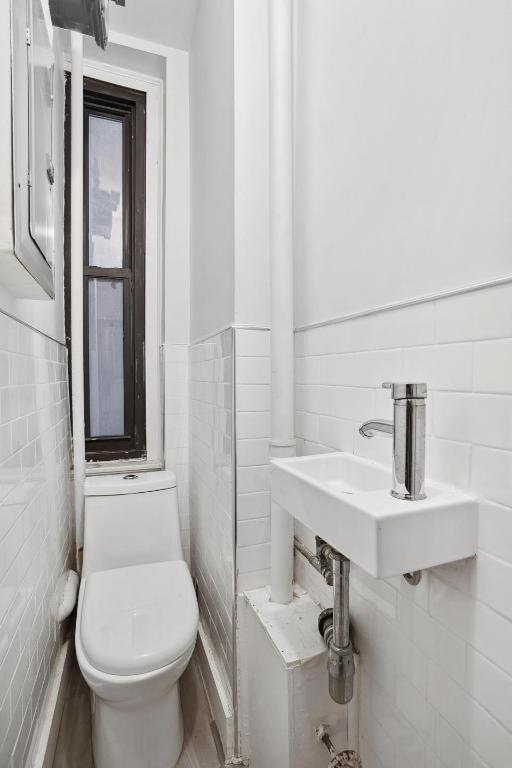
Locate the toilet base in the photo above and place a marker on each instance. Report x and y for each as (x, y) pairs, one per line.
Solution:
(149, 735)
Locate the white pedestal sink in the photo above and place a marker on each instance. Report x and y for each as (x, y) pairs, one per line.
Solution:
(346, 500)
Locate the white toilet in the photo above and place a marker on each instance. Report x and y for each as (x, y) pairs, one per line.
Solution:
(137, 619)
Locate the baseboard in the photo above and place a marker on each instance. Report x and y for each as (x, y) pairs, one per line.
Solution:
(219, 697)
(44, 740)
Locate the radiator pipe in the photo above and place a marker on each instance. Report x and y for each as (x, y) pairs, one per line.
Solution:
(282, 442)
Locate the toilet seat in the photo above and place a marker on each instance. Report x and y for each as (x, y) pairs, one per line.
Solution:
(138, 619)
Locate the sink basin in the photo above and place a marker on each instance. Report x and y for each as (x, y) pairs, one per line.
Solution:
(346, 500)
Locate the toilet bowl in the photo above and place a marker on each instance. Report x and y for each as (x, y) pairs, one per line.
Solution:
(136, 621)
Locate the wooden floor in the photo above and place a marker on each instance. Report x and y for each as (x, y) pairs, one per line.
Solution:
(74, 743)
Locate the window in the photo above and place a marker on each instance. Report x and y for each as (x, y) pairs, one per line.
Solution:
(114, 270)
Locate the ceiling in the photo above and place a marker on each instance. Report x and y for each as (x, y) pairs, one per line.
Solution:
(167, 22)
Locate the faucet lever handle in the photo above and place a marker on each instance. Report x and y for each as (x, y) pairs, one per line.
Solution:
(405, 391)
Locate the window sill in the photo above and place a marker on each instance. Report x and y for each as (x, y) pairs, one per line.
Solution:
(119, 467)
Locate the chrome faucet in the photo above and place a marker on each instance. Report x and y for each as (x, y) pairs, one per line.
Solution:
(408, 431)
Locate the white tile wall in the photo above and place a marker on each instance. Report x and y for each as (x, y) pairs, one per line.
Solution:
(211, 490)
(176, 431)
(212, 427)
(252, 373)
(436, 661)
(36, 531)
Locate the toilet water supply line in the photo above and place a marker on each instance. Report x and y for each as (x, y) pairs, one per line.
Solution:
(77, 213)
(282, 443)
(347, 758)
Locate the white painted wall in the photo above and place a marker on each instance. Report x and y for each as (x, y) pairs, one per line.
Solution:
(251, 82)
(115, 55)
(212, 168)
(177, 198)
(229, 166)
(403, 157)
(167, 23)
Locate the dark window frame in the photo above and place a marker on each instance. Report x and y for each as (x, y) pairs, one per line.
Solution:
(129, 106)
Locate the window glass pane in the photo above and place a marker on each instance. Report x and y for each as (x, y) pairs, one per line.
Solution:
(106, 359)
(105, 192)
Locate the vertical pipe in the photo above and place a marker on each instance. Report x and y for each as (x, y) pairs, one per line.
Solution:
(282, 442)
(77, 311)
(341, 612)
(340, 656)
(281, 555)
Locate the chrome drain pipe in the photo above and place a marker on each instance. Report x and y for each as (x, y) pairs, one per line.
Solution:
(341, 587)
(334, 626)
(334, 623)
(321, 561)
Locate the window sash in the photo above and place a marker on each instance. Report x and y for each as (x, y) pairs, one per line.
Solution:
(128, 106)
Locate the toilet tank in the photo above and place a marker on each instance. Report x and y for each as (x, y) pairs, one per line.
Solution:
(130, 519)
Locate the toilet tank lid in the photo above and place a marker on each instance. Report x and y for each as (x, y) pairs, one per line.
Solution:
(129, 482)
